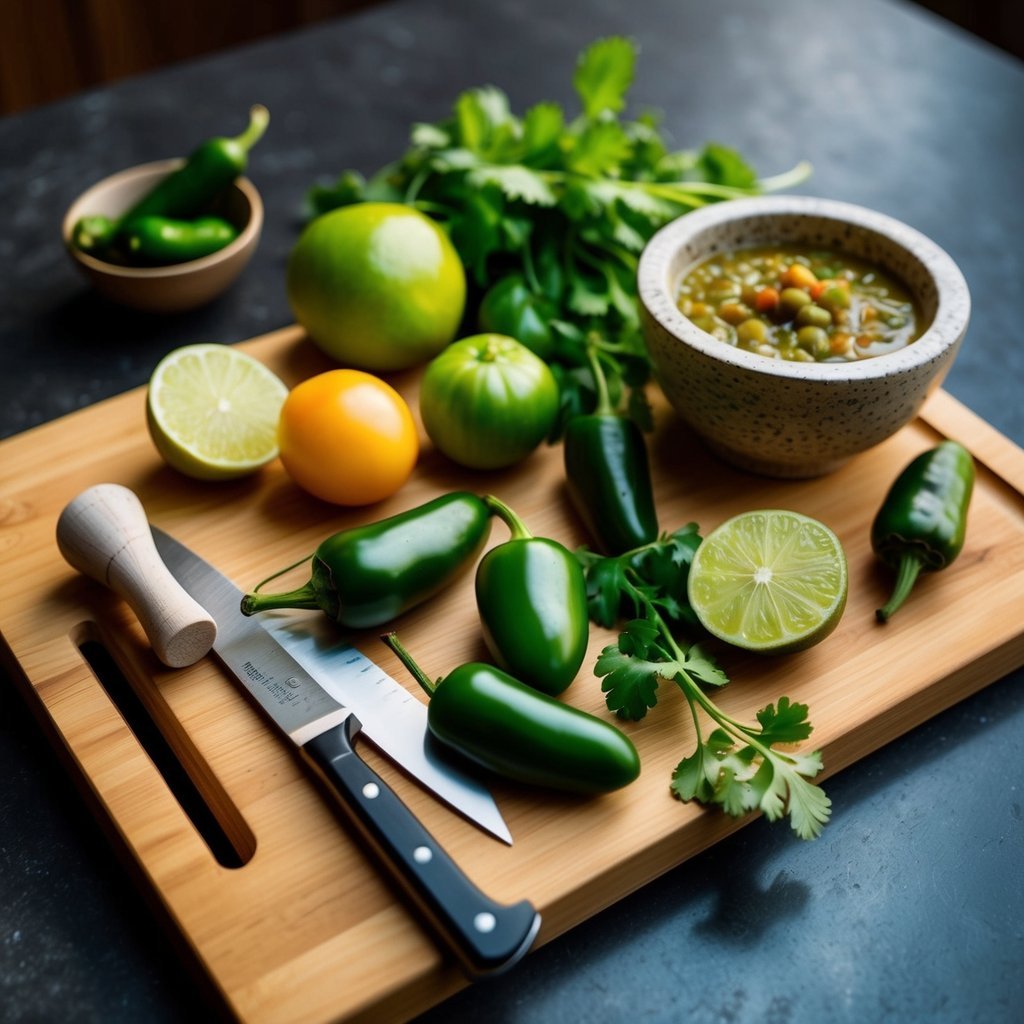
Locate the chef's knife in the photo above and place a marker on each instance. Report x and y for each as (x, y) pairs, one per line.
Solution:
(393, 719)
(104, 533)
(485, 936)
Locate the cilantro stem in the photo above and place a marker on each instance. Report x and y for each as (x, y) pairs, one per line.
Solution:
(416, 184)
(604, 404)
(529, 271)
(694, 694)
(787, 179)
(439, 209)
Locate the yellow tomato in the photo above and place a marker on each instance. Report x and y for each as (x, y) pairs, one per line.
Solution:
(347, 437)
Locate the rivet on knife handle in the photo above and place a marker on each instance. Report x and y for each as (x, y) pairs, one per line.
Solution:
(104, 533)
(485, 936)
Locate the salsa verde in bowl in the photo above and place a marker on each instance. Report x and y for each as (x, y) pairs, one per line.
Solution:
(797, 417)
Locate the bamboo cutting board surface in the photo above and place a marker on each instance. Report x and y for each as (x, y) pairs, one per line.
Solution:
(299, 925)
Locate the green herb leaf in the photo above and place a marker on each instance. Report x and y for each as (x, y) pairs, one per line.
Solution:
(429, 136)
(480, 114)
(604, 74)
(724, 166)
(786, 724)
(703, 667)
(542, 129)
(690, 779)
(600, 148)
(629, 681)
(516, 181)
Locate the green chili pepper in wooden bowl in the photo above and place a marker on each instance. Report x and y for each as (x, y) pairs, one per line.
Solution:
(368, 575)
(162, 241)
(209, 169)
(922, 523)
(532, 598)
(513, 730)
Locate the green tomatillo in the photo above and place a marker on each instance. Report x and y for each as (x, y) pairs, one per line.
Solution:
(487, 401)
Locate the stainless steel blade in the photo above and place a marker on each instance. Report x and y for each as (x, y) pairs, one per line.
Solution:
(307, 681)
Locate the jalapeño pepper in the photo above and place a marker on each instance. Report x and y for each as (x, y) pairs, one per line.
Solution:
(923, 520)
(164, 241)
(511, 729)
(608, 475)
(532, 599)
(367, 575)
(93, 234)
(210, 168)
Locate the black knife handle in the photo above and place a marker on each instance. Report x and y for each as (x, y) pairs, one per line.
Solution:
(486, 937)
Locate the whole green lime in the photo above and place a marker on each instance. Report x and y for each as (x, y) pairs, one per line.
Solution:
(377, 286)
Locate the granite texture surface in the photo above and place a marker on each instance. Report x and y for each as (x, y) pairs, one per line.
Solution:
(910, 906)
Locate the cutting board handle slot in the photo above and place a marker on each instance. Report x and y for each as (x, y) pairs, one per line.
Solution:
(199, 794)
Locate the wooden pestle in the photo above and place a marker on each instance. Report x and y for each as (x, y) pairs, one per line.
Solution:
(105, 534)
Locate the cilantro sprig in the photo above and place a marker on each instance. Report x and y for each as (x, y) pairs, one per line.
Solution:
(737, 765)
(566, 202)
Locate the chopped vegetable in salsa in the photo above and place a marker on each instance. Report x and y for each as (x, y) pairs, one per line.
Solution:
(782, 302)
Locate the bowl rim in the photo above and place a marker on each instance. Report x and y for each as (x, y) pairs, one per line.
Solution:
(946, 329)
(161, 168)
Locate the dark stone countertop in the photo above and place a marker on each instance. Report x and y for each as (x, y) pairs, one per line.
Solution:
(910, 906)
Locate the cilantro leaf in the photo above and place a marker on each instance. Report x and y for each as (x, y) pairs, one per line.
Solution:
(604, 73)
(429, 136)
(605, 583)
(480, 116)
(690, 779)
(629, 682)
(724, 166)
(542, 129)
(600, 148)
(588, 295)
(703, 667)
(786, 724)
(516, 181)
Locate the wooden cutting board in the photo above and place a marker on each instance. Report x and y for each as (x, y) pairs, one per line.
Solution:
(294, 924)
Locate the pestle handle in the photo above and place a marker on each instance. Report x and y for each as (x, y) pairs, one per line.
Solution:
(105, 534)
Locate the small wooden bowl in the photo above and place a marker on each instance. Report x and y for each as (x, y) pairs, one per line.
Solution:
(170, 289)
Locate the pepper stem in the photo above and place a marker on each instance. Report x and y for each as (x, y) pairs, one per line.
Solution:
(906, 576)
(396, 645)
(516, 526)
(259, 118)
(303, 597)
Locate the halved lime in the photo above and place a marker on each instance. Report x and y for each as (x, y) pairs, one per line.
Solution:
(770, 581)
(212, 411)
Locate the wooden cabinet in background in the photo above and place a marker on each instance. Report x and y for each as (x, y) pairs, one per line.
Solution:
(53, 48)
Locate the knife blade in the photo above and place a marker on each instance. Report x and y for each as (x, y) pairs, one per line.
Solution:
(394, 721)
(486, 937)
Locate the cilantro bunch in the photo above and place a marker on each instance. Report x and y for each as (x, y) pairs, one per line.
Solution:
(736, 765)
(564, 202)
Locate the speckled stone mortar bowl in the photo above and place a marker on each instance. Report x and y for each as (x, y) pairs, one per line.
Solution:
(181, 286)
(791, 419)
